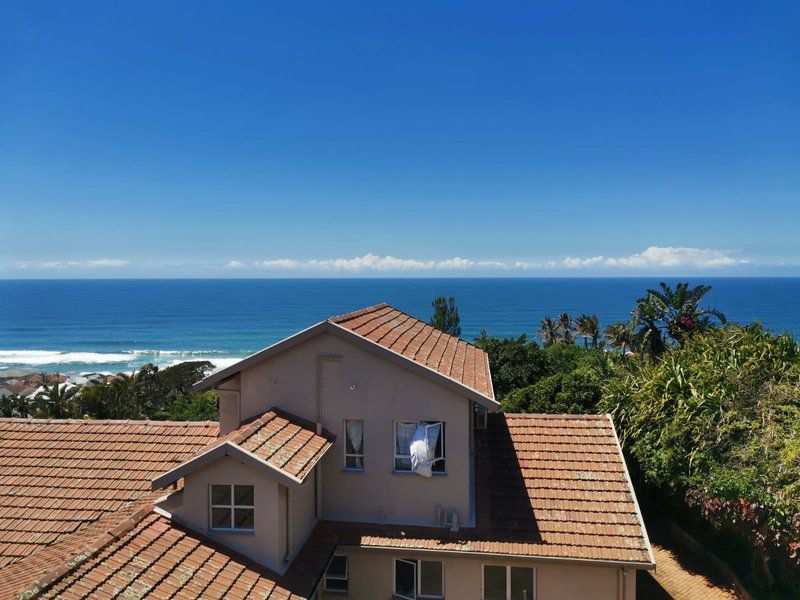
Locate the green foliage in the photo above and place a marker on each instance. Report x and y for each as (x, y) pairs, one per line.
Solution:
(574, 392)
(445, 316)
(558, 378)
(670, 317)
(13, 405)
(718, 421)
(150, 393)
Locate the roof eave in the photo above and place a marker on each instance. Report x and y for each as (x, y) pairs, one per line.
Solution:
(343, 332)
(235, 451)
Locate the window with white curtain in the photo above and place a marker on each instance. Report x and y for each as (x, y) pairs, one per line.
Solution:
(404, 435)
(354, 445)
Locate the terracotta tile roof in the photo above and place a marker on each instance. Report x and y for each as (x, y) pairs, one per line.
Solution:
(58, 475)
(550, 486)
(145, 554)
(280, 439)
(416, 340)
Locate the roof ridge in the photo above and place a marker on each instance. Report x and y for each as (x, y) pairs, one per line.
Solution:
(357, 313)
(153, 422)
(578, 416)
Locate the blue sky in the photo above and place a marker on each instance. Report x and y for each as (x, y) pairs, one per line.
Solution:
(186, 139)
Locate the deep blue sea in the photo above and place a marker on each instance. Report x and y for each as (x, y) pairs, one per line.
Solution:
(113, 325)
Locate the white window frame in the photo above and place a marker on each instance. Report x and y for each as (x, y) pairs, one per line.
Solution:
(337, 577)
(408, 456)
(232, 507)
(349, 455)
(508, 579)
(394, 578)
(417, 578)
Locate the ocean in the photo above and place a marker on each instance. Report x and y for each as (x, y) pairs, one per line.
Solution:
(75, 326)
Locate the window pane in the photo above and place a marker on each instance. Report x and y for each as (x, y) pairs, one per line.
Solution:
(221, 518)
(439, 466)
(494, 582)
(404, 432)
(244, 518)
(220, 494)
(354, 438)
(521, 583)
(405, 578)
(338, 567)
(402, 464)
(430, 574)
(336, 585)
(243, 495)
(354, 462)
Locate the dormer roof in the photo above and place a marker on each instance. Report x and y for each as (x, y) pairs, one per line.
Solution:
(397, 336)
(285, 445)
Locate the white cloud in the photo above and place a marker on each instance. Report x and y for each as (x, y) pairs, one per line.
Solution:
(105, 262)
(652, 257)
(279, 263)
(235, 264)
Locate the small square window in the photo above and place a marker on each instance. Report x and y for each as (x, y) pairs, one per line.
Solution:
(508, 583)
(232, 507)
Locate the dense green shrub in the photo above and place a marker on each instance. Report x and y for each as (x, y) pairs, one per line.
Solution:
(718, 421)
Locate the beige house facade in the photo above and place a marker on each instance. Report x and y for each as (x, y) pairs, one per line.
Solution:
(364, 458)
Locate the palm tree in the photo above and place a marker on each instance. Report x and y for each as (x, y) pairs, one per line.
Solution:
(549, 331)
(54, 399)
(681, 311)
(565, 324)
(620, 336)
(588, 327)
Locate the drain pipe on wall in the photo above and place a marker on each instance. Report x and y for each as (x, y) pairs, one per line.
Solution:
(622, 579)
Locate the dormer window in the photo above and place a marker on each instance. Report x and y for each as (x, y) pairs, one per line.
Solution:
(431, 433)
(232, 507)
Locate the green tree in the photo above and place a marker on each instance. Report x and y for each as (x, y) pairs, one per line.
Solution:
(13, 405)
(549, 331)
(566, 326)
(588, 327)
(620, 336)
(55, 399)
(445, 316)
(515, 362)
(664, 317)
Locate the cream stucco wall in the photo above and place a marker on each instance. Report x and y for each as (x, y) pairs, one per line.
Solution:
(267, 543)
(371, 577)
(358, 384)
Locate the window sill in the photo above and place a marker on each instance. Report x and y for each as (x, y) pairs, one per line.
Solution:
(413, 473)
(233, 531)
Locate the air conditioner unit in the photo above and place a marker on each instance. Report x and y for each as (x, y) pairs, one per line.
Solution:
(448, 517)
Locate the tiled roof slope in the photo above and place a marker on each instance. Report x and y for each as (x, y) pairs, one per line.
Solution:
(278, 438)
(550, 486)
(416, 340)
(58, 475)
(147, 555)
(285, 441)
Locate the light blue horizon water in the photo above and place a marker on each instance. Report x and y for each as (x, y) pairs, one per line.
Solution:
(76, 326)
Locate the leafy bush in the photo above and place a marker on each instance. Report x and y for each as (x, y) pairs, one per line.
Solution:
(718, 422)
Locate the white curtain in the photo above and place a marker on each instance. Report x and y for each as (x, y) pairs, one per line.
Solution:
(423, 448)
(355, 431)
(404, 435)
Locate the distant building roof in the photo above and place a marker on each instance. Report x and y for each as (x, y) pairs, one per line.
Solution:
(278, 440)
